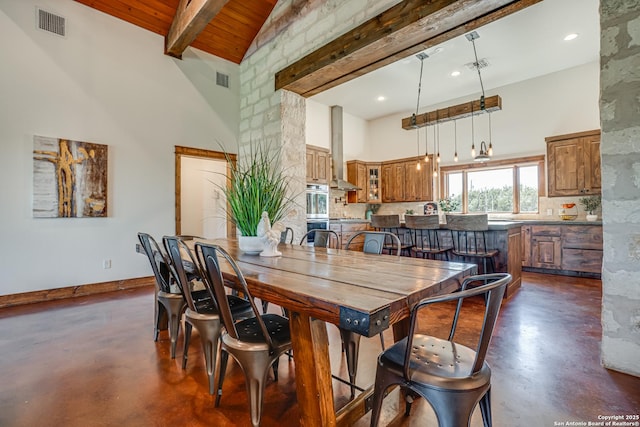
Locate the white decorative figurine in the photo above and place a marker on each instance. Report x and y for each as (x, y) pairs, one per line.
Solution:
(270, 235)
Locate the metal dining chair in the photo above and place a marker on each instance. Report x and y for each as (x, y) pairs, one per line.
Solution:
(287, 235)
(452, 377)
(256, 343)
(168, 304)
(201, 314)
(323, 238)
(373, 243)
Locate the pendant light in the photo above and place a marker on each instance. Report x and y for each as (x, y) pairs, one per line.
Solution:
(435, 164)
(421, 57)
(426, 143)
(485, 154)
(455, 140)
(438, 138)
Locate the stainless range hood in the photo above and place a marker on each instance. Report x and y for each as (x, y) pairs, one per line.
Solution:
(337, 181)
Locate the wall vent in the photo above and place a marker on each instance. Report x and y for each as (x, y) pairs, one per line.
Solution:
(51, 22)
(222, 79)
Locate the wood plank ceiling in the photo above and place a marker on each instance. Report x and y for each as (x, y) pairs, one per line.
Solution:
(228, 35)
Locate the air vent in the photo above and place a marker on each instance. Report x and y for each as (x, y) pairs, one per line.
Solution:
(222, 79)
(482, 63)
(50, 22)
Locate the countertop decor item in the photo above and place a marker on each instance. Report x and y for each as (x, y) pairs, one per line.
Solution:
(568, 212)
(590, 205)
(448, 204)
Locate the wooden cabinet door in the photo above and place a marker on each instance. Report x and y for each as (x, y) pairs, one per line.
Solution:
(413, 182)
(526, 245)
(573, 164)
(592, 175)
(323, 167)
(387, 183)
(546, 252)
(311, 165)
(399, 177)
(318, 165)
(565, 168)
(426, 177)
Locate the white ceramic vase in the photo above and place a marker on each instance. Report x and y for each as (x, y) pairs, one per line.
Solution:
(592, 217)
(250, 245)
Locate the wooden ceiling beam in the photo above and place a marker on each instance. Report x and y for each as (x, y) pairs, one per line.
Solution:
(192, 16)
(454, 112)
(405, 29)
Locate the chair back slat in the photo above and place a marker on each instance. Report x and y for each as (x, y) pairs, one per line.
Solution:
(468, 222)
(422, 222)
(159, 262)
(175, 247)
(492, 287)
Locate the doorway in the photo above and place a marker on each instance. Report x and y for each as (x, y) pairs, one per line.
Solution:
(199, 200)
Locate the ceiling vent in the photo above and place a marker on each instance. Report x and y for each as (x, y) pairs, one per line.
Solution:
(482, 63)
(222, 79)
(51, 22)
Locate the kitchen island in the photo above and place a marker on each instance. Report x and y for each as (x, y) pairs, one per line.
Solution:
(503, 235)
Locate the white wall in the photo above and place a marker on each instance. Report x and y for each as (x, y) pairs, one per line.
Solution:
(106, 82)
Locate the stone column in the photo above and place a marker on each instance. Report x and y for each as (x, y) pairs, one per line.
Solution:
(620, 151)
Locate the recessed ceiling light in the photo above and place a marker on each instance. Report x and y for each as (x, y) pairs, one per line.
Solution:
(438, 50)
(381, 98)
(570, 37)
(455, 73)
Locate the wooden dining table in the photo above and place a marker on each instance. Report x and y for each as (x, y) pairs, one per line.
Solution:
(360, 292)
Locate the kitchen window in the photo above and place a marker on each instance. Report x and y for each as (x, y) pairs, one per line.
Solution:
(497, 186)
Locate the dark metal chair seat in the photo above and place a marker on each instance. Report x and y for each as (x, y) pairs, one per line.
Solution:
(452, 377)
(277, 326)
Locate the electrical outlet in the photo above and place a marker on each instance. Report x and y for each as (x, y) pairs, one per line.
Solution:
(139, 248)
(106, 263)
(549, 212)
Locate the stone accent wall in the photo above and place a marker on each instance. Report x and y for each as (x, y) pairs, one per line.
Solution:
(279, 117)
(620, 150)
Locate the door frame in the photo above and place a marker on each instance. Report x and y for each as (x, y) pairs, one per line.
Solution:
(202, 154)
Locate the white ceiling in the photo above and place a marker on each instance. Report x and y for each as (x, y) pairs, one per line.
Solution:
(522, 46)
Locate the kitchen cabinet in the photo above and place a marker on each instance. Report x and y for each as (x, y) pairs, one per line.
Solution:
(403, 182)
(347, 228)
(393, 180)
(318, 165)
(573, 164)
(367, 177)
(563, 249)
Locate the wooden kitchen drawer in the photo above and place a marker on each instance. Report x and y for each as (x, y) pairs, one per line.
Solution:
(585, 260)
(546, 230)
(582, 237)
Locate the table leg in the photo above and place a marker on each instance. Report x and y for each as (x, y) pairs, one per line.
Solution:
(313, 371)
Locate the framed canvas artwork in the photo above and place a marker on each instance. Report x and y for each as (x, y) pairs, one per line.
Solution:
(69, 178)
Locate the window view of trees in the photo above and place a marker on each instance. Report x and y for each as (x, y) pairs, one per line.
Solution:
(492, 190)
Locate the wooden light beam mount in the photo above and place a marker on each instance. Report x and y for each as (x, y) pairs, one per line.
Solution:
(493, 103)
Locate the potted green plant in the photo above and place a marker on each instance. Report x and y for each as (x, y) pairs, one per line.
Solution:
(256, 183)
(590, 205)
(448, 204)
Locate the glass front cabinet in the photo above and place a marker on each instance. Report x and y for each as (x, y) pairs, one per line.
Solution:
(367, 177)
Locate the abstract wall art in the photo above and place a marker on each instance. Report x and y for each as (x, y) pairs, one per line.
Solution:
(69, 178)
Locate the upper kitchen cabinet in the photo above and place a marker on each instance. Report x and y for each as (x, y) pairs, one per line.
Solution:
(318, 165)
(573, 164)
(403, 182)
(367, 177)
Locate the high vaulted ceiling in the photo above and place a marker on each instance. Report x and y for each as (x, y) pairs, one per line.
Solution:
(228, 35)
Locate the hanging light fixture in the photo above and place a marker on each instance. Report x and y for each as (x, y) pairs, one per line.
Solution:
(438, 137)
(421, 56)
(485, 154)
(434, 164)
(426, 143)
(455, 140)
